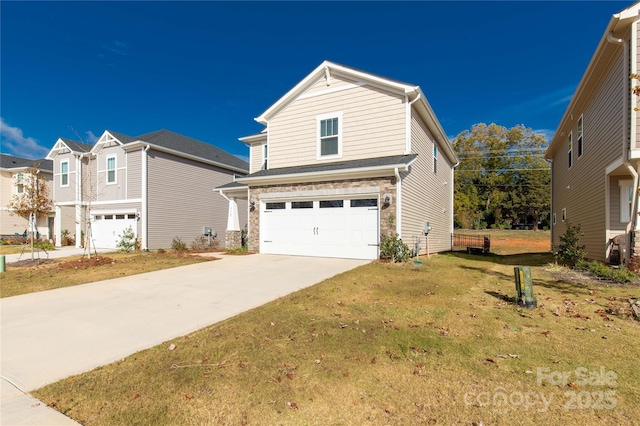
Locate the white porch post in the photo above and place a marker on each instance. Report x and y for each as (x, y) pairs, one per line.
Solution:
(57, 226)
(233, 221)
(78, 225)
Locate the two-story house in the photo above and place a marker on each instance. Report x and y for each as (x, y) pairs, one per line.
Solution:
(595, 150)
(345, 157)
(12, 181)
(159, 184)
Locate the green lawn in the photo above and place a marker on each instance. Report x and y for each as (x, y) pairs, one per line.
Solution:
(436, 343)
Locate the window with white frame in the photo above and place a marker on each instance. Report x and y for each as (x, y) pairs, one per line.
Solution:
(265, 156)
(570, 151)
(580, 147)
(329, 135)
(19, 183)
(626, 199)
(111, 169)
(64, 173)
(435, 158)
(564, 214)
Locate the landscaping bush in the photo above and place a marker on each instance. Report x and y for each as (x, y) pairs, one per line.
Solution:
(128, 241)
(605, 272)
(568, 252)
(202, 243)
(178, 245)
(67, 240)
(394, 249)
(45, 245)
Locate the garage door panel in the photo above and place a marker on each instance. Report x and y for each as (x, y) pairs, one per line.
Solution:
(337, 230)
(106, 231)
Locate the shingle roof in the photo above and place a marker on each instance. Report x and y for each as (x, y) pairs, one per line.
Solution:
(77, 146)
(11, 162)
(232, 185)
(187, 145)
(121, 136)
(337, 166)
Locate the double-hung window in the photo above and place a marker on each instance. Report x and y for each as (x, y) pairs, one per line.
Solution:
(19, 183)
(570, 152)
(64, 173)
(111, 169)
(580, 137)
(329, 135)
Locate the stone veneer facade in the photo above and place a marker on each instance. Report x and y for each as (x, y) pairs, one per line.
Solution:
(233, 240)
(385, 185)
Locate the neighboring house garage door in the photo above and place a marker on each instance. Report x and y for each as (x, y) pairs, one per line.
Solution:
(345, 228)
(106, 229)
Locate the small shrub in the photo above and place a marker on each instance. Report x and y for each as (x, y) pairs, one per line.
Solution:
(202, 243)
(45, 245)
(128, 241)
(568, 252)
(178, 245)
(239, 250)
(605, 272)
(161, 250)
(394, 249)
(634, 264)
(66, 239)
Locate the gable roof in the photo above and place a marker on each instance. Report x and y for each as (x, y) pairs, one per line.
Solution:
(179, 143)
(10, 162)
(413, 93)
(609, 44)
(63, 145)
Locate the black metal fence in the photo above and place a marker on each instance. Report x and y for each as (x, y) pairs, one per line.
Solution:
(471, 243)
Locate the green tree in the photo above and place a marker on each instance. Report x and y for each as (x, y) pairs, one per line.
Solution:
(502, 175)
(34, 200)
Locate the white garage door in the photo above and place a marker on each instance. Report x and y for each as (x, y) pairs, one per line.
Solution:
(106, 229)
(346, 228)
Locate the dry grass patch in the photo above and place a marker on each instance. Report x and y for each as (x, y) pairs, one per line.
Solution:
(438, 343)
(65, 272)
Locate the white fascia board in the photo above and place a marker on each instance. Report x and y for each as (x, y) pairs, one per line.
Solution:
(426, 112)
(356, 173)
(143, 144)
(241, 192)
(106, 137)
(339, 69)
(261, 137)
(630, 12)
(59, 146)
(560, 134)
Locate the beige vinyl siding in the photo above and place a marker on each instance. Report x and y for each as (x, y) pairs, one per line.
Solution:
(373, 123)
(68, 220)
(134, 174)
(336, 82)
(427, 196)
(66, 193)
(117, 190)
(581, 189)
(7, 188)
(181, 200)
(634, 99)
(255, 154)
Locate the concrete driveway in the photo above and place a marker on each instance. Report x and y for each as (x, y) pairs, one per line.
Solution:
(50, 335)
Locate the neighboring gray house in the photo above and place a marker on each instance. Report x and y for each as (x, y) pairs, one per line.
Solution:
(346, 156)
(159, 184)
(595, 151)
(12, 171)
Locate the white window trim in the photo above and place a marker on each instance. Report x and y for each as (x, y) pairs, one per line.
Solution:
(570, 150)
(580, 132)
(19, 177)
(435, 158)
(265, 156)
(62, 173)
(625, 202)
(319, 119)
(115, 169)
(564, 214)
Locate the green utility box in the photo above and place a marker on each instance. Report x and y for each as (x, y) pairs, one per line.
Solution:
(524, 287)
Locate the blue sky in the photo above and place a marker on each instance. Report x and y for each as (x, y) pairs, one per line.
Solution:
(206, 69)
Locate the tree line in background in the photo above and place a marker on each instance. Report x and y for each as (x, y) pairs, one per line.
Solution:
(503, 180)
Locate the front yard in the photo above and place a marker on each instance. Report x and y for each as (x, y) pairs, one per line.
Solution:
(432, 343)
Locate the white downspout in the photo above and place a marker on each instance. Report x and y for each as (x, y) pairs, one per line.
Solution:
(398, 203)
(625, 131)
(78, 203)
(145, 200)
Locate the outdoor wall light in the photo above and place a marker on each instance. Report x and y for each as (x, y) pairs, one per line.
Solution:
(387, 199)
